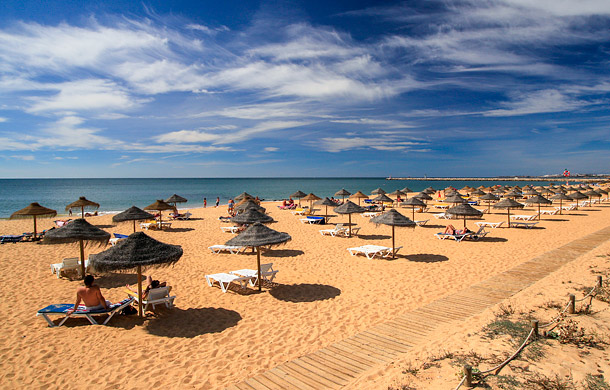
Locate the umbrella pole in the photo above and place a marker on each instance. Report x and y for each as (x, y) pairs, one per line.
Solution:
(82, 258)
(464, 222)
(393, 245)
(489, 207)
(560, 206)
(82, 211)
(34, 228)
(349, 218)
(134, 225)
(413, 208)
(508, 210)
(539, 211)
(140, 290)
(258, 264)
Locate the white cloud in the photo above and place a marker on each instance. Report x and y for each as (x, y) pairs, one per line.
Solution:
(385, 123)
(2, 119)
(86, 95)
(538, 102)
(206, 29)
(23, 157)
(271, 149)
(341, 144)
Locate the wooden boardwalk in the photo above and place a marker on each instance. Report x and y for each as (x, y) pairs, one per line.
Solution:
(340, 363)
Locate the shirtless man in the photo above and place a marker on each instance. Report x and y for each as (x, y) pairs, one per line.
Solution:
(91, 296)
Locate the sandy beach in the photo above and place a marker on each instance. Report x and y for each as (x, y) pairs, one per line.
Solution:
(213, 339)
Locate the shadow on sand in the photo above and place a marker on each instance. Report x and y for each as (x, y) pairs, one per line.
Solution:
(425, 258)
(374, 237)
(304, 292)
(191, 322)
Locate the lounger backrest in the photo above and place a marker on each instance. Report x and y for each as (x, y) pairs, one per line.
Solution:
(158, 293)
(339, 226)
(266, 268)
(71, 262)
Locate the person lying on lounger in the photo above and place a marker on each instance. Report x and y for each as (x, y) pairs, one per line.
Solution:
(451, 230)
(150, 283)
(91, 295)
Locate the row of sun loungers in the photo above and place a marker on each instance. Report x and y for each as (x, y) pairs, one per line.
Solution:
(370, 251)
(339, 230)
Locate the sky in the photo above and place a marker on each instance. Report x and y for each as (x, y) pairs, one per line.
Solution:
(239, 88)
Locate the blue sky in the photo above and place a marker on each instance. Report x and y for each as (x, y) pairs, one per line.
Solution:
(289, 88)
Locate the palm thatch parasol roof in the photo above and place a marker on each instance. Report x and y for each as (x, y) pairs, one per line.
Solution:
(311, 197)
(349, 208)
(33, 210)
(137, 251)
(258, 235)
(455, 199)
(489, 197)
(298, 195)
(175, 199)
(359, 195)
(413, 203)
(159, 205)
(397, 193)
(508, 203)
(132, 214)
(79, 231)
(429, 190)
(531, 192)
(477, 192)
(378, 191)
(577, 195)
(423, 195)
(343, 192)
(406, 190)
(247, 204)
(560, 196)
(83, 203)
(465, 210)
(383, 198)
(250, 216)
(513, 194)
(244, 195)
(325, 202)
(393, 218)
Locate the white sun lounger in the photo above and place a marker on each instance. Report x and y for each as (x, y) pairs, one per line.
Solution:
(156, 296)
(456, 237)
(371, 214)
(523, 217)
(224, 280)
(422, 222)
(228, 248)
(493, 225)
(442, 216)
(527, 225)
(230, 229)
(267, 273)
(333, 232)
(371, 251)
(70, 264)
(549, 212)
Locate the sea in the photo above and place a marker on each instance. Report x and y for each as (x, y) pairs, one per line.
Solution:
(115, 195)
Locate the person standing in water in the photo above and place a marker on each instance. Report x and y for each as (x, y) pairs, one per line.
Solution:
(205, 202)
(217, 201)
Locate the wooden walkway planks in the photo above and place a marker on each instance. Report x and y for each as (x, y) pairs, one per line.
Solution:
(338, 364)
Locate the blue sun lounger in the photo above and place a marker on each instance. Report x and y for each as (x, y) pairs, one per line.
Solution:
(11, 238)
(62, 310)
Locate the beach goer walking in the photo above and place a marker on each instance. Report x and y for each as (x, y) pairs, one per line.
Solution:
(91, 295)
(205, 202)
(217, 201)
(230, 206)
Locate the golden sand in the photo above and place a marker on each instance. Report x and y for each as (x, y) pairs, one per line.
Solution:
(210, 339)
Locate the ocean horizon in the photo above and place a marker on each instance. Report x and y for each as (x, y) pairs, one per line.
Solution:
(118, 194)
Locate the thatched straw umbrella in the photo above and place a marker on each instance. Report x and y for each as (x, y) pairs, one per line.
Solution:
(242, 196)
(393, 218)
(81, 204)
(406, 191)
(378, 191)
(577, 195)
(489, 197)
(34, 210)
(423, 196)
(250, 216)
(383, 198)
(413, 203)
(531, 192)
(343, 193)
(359, 195)
(79, 231)
(429, 190)
(256, 236)
(175, 199)
(477, 192)
(513, 194)
(561, 197)
(298, 195)
(465, 210)
(137, 251)
(538, 199)
(349, 208)
(132, 214)
(397, 194)
(311, 197)
(455, 199)
(247, 204)
(325, 202)
(508, 203)
(160, 206)
(590, 194)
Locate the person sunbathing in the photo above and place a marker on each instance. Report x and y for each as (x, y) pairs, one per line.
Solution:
(450, 230)
(91, 296)
(150, 284)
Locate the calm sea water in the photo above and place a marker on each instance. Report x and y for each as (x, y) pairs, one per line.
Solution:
(119, 194)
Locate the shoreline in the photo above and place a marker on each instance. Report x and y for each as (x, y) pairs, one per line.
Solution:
(516, 178)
